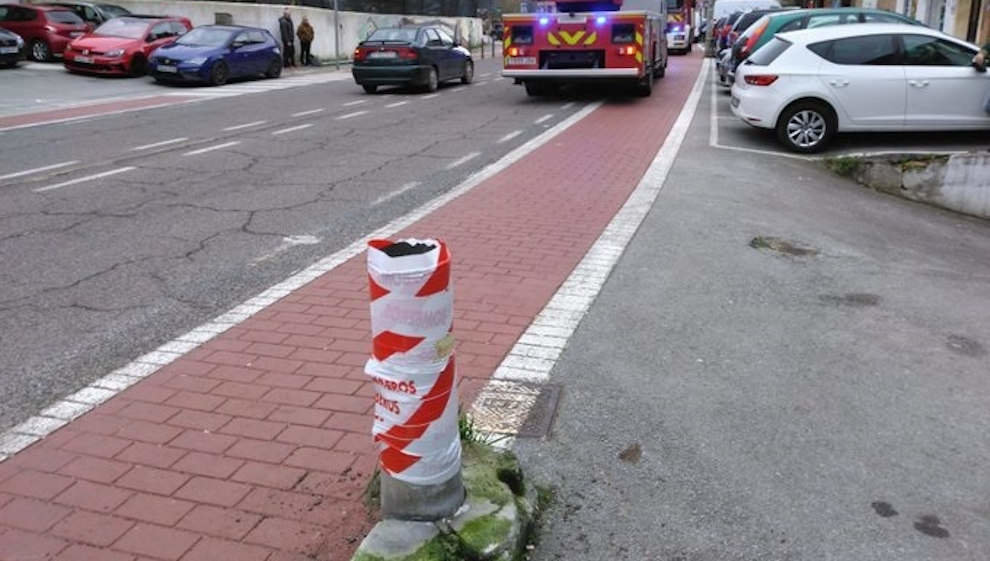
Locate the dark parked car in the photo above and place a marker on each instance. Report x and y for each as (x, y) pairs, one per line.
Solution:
(92, 13)
(11, 48)
(410, 56)
(45, 29)
(217, 53)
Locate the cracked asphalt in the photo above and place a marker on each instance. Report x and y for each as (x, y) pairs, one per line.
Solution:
(98, 272)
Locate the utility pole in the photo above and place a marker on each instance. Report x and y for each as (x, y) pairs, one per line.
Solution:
(336, 35)
(709, 45)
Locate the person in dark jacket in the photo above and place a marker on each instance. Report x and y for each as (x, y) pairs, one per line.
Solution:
(305, 33)
(285, 29)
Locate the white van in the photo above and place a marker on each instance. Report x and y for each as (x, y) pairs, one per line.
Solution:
(726, 7)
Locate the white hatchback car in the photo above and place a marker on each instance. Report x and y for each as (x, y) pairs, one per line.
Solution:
(810, 84)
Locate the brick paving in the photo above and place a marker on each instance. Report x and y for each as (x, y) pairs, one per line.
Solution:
(256, 445)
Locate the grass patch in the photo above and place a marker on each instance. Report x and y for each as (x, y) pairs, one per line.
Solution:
(844, 166)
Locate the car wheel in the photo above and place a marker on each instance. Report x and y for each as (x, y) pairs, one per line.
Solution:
(662, 71)
(40, 51)
(274, 69)
(139, 66)
(468, 72)
(370, 88)
(645, 87)
(807, 126)
(432, 80)
(219, 74)
(10, 64)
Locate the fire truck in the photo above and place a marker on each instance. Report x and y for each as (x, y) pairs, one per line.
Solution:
(680, 32)
(601, 40)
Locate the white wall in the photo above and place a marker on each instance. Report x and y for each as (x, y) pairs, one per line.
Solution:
(354, 26)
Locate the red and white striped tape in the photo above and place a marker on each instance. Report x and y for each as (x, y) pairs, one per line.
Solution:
(412, 362)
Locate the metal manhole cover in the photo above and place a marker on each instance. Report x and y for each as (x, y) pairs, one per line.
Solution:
(517, 408)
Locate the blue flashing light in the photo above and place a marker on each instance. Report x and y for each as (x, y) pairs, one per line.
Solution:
(544, 21)
(600, 20)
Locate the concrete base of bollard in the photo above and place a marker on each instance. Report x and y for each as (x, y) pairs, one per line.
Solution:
(403, 501)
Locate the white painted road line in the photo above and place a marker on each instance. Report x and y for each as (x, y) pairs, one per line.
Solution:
(509, 136)
(353, 103)
(292, 129)
(310, 112)
(37, 170)
(158, 144)
(543, 119)
(463, 160)
(396, 104)
(351, 115)
(82, 179)
(245, 125)
(567, 106)
(396, 193)
(431, 96)
(212, 148)
(485, 75)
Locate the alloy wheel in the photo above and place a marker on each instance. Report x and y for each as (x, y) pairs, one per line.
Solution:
(806, 128)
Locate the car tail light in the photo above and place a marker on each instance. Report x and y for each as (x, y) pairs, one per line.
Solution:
(513, 51)
(752, 39)
(630, 50)
(360, 53)
(761, 79)
(407, 53)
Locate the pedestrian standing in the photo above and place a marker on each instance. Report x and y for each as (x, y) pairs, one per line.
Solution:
(285, 28)
(305, 33)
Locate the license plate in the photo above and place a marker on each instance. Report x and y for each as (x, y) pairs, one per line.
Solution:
(84, 59)
(383, 54)
(167, 68)
(76, 33)
(8, 50)
(735, 101)
(522, 60)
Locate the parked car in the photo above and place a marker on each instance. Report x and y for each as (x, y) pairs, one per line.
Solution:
(217, 53)
(809, 85)
(11, 48)
(765, 28)
(45, 29)
(122, 45)
(722, 33)
(94, 14)
(743, 23)
(422, 56)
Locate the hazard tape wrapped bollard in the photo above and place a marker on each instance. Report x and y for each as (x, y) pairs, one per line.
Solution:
(412, 365)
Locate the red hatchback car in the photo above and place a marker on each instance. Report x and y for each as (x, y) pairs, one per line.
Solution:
(45, 29)
(122, 45)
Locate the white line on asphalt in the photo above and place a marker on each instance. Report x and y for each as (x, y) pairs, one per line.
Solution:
(509, 137)
(288, 242)
(212, 148)
(713, 112)
(157, 144)
(85, 117)
(396, 104)
(457, 89)
(431, 96)
(82, 179)
(536, 352)
(481, 83)
(396, 193)
(567, 106)
(310, 112)
(245, 125)
(37, 170)
(70, 407)
(349, 115)
(543, 119)
(485, 75)
(462, 160)
(292, 129)
(352, 103)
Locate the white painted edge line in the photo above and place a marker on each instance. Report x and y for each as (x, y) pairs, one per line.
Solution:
(509, 136)
(353, 103)
(431, 96)
(38, 170)
(83, 179)
(567, 106)
(543, 119)
(536, 352)
(396, 193)
(396, 104)
(158, 144)
(292, 129)
(485, 75)
(310, 112)
(244, 125)
(350, 115)
(212, 148)
(89, 397)
(462, 160)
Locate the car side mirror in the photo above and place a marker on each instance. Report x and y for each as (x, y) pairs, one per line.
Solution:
(149, 39)
(237, 44)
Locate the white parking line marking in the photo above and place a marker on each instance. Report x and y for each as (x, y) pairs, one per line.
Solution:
(292, 129)
(509, 137)
(567, 106)
(543, 119)
(396, 104)
(396, 193)
(431, 96)
(457, 89)
(157, 144)
(212, 148)
(310, 112)
(36, 170)
(350, 115)
(352, 103)
(82, 179)
(463, 160)
(245, 125)
(485, 75)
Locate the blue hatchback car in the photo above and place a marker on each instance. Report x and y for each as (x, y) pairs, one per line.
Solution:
(216, 53)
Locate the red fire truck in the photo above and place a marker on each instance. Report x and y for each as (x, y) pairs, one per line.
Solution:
(680, 32)
(602, 40)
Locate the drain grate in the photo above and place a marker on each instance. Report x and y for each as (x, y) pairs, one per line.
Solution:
(521, 409)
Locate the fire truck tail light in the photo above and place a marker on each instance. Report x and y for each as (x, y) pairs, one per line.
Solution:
(513, 52)
(630, 50)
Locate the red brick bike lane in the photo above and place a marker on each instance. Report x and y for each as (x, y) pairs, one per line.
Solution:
(256, 445)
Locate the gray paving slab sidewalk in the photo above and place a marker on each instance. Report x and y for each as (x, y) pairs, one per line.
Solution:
(722, 402)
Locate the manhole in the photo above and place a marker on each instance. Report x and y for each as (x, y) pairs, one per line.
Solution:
(782, 246)
(853, 299)
(517, 408)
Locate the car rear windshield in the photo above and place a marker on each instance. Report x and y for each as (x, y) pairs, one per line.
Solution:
(112, 10)
(769, 52)
(63, 16)
(204, 37)
(393, 35)
(122, 28)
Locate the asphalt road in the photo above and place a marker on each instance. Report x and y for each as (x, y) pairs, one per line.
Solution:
(99, 270)
(722, 402)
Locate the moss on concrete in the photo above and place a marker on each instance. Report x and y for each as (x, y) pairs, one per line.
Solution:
(485, 534)
(441, 548)
(481, 466)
